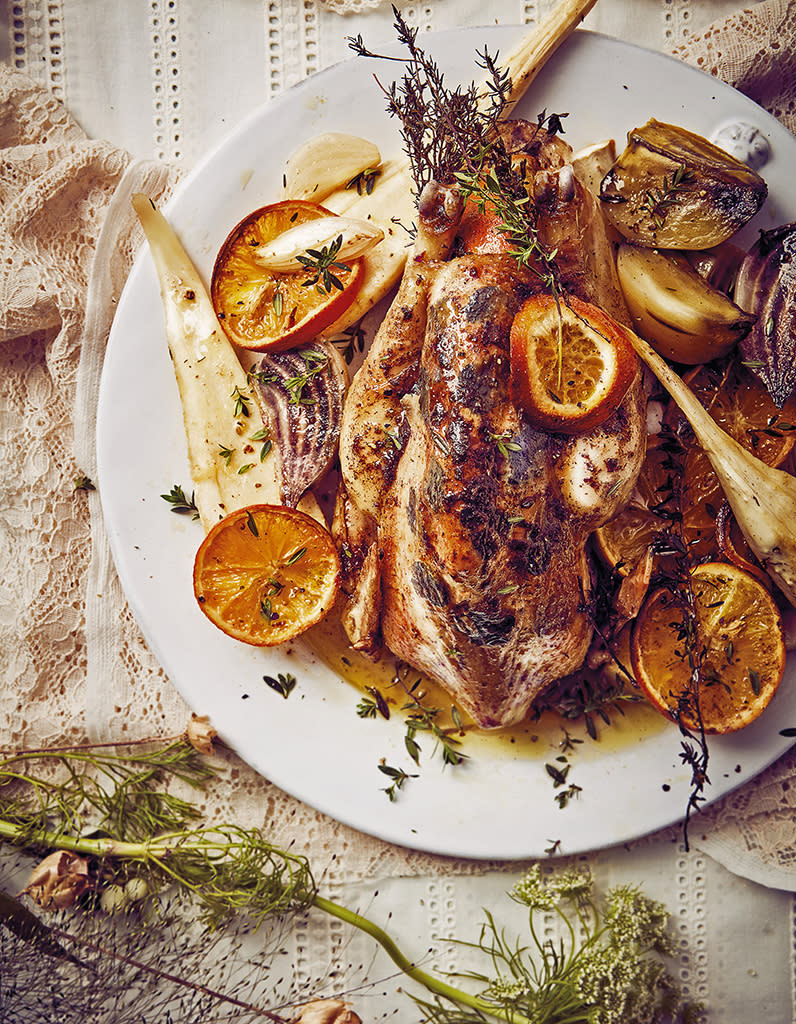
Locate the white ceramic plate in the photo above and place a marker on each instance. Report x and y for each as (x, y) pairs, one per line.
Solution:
(314, 745)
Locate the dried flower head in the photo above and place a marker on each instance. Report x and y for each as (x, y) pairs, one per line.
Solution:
(58, 881)
(326, 1011)
(200, 734)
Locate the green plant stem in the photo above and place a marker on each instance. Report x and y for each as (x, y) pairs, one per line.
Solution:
(411, 970)
(160, 849)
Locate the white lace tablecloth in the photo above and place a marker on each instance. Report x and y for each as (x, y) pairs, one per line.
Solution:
(135, 93)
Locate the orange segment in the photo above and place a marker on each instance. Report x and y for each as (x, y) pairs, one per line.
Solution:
(738, 634)
(571, 364)
(738, 401)
(270, 309)
(265, 573)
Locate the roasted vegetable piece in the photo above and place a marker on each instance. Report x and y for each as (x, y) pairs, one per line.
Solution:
(766, 286)
(328, 162)
(763, 499)
(676, 310)
(672, 189)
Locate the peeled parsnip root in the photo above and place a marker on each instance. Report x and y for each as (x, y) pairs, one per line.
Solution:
(221, 418)
(763, 499)
(533, 51)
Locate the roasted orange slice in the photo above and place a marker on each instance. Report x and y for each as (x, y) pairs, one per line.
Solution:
(266, 573)
(571, 363)
(735, 636)
(260, 308)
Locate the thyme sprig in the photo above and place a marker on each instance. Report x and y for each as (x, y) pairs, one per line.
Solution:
(441, 127)
(321, 264)
(422, 718)
(657, 201)
(180, 504)
(315, 362)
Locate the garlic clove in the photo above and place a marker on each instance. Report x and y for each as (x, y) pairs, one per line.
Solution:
(325, 163)
(356, 238)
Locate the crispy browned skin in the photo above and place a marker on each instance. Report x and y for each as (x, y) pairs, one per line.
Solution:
(482, 545)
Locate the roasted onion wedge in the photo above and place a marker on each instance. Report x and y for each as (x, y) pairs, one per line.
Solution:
(766, 286)
(672, 189)
(677, 311)
(301, 394)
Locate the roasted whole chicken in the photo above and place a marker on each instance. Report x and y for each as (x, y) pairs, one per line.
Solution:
(464, 555)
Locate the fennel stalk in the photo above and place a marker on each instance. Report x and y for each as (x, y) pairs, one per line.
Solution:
(762, 499)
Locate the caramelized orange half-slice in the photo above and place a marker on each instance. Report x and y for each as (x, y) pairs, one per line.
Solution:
(735, 639)
(260, 308)
(266, 573)
(571, 364)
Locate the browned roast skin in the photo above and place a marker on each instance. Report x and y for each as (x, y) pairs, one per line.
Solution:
(463, 530)
(483, 565)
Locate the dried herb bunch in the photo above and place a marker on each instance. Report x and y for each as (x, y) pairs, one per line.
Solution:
(453, 136)
(675, 561)
(149, 961)
(443, 129)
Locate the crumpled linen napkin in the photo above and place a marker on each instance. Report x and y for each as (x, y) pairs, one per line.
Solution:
(74, 663)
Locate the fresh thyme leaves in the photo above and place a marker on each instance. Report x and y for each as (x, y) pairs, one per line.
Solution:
(315, 362)
(559, 773)
(657, 201)
(283, 684)
(423, 719)
(351, 342)
(505, 443)
(398, 777)
(364, 181)
(241, 404)
(267, 445)
(226, 453)
(179, 503)
(84, 483)
(374, 704)
(321, 264)
(441, 127)
(420, 720)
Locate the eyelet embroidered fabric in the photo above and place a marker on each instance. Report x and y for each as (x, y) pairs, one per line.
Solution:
(73, 661)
